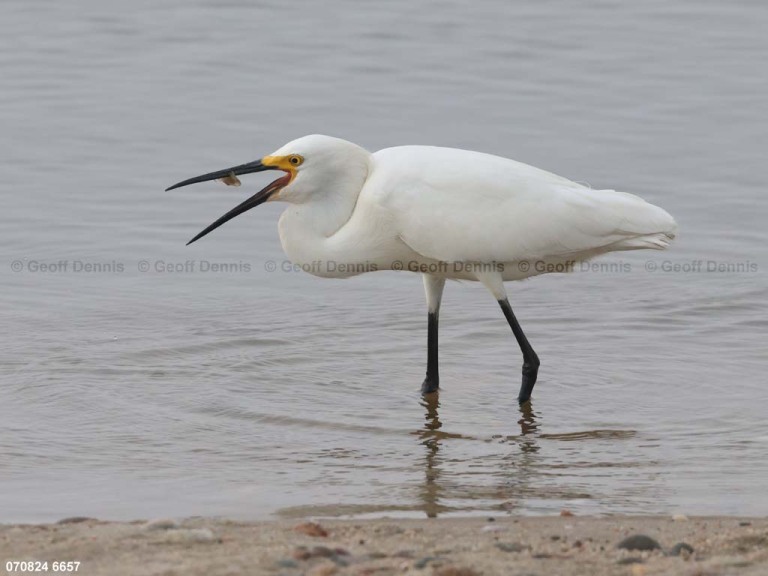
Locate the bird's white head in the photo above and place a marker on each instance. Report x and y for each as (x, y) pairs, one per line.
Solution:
(315, 166)
(318, 165)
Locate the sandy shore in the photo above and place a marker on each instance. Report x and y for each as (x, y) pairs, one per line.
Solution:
(564, 545)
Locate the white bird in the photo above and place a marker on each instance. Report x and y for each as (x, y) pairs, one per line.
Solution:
(443, 212)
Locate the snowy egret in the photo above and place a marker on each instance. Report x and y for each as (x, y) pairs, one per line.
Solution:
(444, 213)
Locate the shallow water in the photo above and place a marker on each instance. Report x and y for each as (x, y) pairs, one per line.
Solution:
(132, 391)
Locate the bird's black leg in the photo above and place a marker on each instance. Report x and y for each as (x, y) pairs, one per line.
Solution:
(432, 381)
(530, 359)
(433, 288)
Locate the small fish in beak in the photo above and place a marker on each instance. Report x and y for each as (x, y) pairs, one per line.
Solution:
(230, 180)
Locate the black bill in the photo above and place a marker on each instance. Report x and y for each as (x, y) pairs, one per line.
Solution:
(249, 168)
(258, 198)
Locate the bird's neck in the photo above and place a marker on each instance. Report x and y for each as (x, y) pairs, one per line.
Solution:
(307, 229)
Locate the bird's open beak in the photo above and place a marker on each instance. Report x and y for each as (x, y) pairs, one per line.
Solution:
(258, 198)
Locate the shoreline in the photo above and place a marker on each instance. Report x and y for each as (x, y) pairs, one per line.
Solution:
(563, 545)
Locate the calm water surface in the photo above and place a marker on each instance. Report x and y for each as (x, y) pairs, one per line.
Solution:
(130, 391)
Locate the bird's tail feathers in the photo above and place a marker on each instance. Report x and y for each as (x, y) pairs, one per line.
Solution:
(657, 241)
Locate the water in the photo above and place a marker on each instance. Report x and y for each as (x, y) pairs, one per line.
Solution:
(248, 393)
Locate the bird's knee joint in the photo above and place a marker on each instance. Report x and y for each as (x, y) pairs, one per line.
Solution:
(531, 365)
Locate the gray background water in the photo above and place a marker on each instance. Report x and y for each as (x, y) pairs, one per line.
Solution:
(246, 393)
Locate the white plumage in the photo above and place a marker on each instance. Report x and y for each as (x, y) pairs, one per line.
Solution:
(454, 213)
(456, 205)
(433, 204)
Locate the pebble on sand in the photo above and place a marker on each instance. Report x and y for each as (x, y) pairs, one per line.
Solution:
(335, 554)
(75, 520)
(456, 571)
(323, 570)
(322, 552)
(301, 553)
(681, 549)
(511, 547)
(421, 564)
(161, 524)
(638, 542)
(403, 554)
(311, 529)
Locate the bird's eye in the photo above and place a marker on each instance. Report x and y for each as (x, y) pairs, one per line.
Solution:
(296, 160)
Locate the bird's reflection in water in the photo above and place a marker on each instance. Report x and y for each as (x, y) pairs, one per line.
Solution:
(517, 471)
(529, 429)
(432, 436)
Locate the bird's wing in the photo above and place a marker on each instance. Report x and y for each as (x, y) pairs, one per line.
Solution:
(460, 206)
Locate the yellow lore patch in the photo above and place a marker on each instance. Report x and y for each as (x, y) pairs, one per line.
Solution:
(285, 163)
